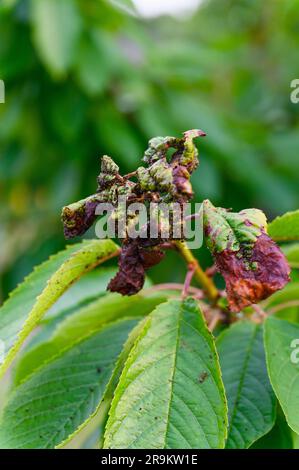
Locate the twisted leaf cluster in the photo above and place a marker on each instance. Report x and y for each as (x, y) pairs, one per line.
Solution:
(252, 265)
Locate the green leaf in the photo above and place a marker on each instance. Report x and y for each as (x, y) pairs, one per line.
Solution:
(44, 410)
(284, 303)
(251, 401)
(295, 440)
(29, 302)
(170, 394)
(83, 322)
(280, 436)
(59, 311)
(90, 286)
(56, 25)
(289, 293)
(292, 253)
(285, 227)
(282, 354)
(99, 417)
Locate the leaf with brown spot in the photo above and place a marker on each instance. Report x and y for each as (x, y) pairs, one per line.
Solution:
(252, 265)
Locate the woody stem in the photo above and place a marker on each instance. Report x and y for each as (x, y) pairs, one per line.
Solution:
(206, 282)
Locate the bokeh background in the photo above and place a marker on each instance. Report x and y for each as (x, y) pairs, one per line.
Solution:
(89, 77)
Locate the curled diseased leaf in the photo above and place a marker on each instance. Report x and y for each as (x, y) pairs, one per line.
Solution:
(79, 216)
(164, 179)
(160, 181)
(136, 257)
(252, 265)
(171, 179)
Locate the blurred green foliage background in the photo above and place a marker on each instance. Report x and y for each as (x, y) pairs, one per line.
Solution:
(84, 78)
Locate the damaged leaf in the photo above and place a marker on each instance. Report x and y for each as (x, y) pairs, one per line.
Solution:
(252, 265)
(171, 179)
(163, 180)
(77, 218)
(136, 257)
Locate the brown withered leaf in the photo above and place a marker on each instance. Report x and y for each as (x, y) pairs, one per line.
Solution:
(252, 265)
(247, 285)
(136, 257)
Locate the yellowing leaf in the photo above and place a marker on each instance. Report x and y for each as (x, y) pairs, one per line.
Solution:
(30, 301)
